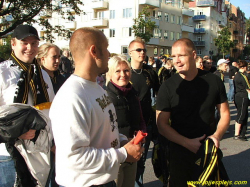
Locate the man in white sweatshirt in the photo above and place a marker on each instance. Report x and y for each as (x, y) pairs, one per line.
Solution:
(89, 148)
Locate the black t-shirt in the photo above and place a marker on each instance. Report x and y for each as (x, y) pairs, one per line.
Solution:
(192, 103)
(241, 85)
(232, 71)
(142, 82)
(219, 74)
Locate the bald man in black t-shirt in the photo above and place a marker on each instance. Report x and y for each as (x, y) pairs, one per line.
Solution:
(188, 100)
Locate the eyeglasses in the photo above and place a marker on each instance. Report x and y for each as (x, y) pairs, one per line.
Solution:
(139, 50)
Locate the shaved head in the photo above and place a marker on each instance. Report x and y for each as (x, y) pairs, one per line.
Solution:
(187, 42)
(83, 38)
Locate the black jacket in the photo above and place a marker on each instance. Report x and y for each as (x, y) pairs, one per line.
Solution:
(127, 108)
(11, 127)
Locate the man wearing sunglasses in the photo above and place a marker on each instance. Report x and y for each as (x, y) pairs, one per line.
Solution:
(143, 79)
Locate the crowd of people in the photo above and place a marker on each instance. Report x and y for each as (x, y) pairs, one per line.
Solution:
(79, 114)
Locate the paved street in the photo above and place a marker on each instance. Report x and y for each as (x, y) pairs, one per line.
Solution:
(236, 156)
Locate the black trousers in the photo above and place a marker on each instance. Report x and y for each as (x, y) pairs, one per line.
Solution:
(181, 165)
(242, 113)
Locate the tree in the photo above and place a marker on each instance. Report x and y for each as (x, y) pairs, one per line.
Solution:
(5, 50)
(143, 25)
(223, 41)
(17, 12)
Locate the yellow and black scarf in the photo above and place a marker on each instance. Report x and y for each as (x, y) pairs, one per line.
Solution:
(30, 79)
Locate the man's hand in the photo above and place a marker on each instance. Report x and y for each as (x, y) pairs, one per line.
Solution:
(134, 151)
(28, 135)
(216, 140)
(193, 145)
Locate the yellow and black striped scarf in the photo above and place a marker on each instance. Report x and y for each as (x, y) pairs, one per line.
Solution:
(246, 79)
(209, 169)
(31, 79)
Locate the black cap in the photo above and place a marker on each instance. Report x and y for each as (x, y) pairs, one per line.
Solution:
(23, 31)
(163, 57)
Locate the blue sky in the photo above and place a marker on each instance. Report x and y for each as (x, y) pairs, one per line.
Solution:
(244, 6)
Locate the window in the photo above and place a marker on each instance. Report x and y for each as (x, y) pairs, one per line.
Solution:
(159, 16)
(199, 51)
(167, 51)
(112, 14)
(172, 18)
(172, 36)
(156, 33)
(166, 34)
(155, 51)
(126, 31)
(199, 25)
(161, 51)
(112, 33)
(178, 36)
(200, 12)
(160, 33)
(173, 2)
(166, 17)
(124, 49)
(179, 20)
(180, 4)
(127, 13)
(212, 26)
(154, 15)
(100, 15)
(199, 38)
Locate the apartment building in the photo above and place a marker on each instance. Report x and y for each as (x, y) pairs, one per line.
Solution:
(116, 17)
(236, 25)
(209, 18)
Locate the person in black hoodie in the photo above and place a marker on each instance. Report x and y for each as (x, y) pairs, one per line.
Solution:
(128, 110)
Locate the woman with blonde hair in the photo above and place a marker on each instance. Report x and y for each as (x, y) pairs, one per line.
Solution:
(128, 111)
(49, 58)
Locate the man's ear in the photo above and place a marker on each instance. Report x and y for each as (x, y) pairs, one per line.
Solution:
(93, 51)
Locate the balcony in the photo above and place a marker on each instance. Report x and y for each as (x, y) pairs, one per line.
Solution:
(199, 43)
(98, 22)
(154, 41)
(151, 3)
(199, 30)
(99, 4)
(157, 22)
(187, 12)
(199, 17)
(205, 3)
(187, 28)
(221, 23)
(70, 25)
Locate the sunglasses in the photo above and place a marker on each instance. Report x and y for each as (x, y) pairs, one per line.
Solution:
(139, 50)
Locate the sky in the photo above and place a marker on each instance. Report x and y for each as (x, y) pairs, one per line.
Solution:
(244, 6)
